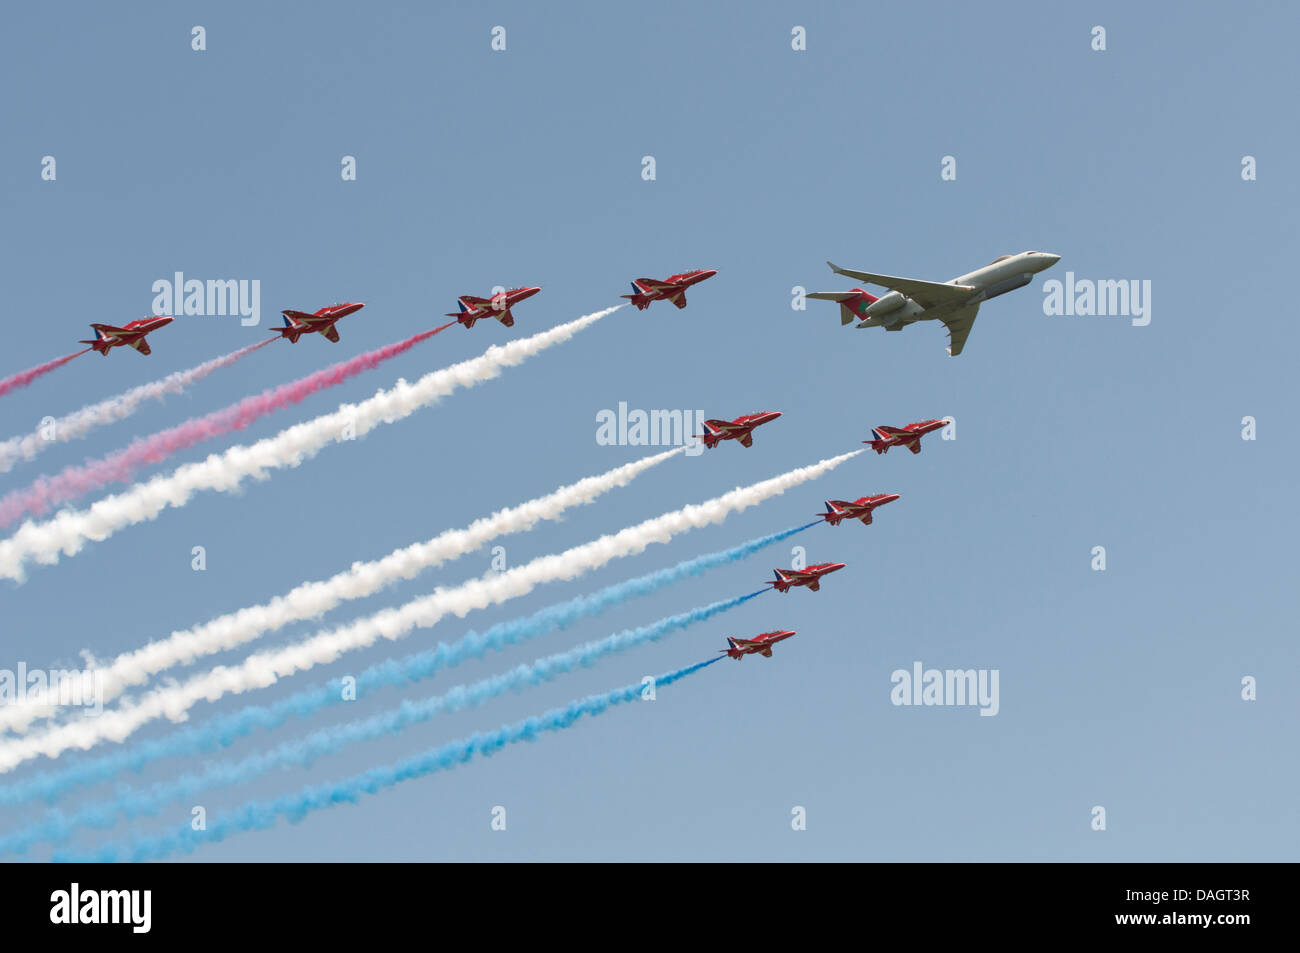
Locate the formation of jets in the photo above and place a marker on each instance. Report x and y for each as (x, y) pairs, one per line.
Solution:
(740, 430)
(955, 302)
(133, 334)
(837, 511)
(498, 306)
(673, 288)
(298, 323)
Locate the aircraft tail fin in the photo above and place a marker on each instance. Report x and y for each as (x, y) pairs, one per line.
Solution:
(290, 330)
(853, 308)
(642, 301)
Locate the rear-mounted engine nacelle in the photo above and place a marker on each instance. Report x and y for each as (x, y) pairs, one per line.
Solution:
(890, 302)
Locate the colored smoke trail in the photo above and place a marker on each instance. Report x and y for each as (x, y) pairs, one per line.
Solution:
(312, 599)
(224, 730)
(68, 532)
(259, 815)
(304, 751)
(23, 378)
(264, 669)
(81, 422)
(77, 481)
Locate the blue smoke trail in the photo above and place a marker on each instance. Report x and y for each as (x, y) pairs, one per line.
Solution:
(225, 730)
(300, 752)
(259, 815)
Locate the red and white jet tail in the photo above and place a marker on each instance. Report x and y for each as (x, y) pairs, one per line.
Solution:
(881, 436)
(638, 297)
(291, 330)
(833, 515)
(100, 342)
(712, 435)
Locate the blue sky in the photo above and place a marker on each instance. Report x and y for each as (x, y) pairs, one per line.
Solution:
(476, 168)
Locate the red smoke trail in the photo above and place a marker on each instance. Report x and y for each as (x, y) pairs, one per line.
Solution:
(76, 481)
(23, 378)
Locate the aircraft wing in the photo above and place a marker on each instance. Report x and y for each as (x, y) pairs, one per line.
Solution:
(893, 431)
(958, 323)
(331, 333)
(654, 284)
(866, 518)
(831, 295)
(142, 346)
(746, 439)
(766, 653)
(679, 299)
(928, 294)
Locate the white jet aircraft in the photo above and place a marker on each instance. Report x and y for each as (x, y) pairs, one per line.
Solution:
(955, 303)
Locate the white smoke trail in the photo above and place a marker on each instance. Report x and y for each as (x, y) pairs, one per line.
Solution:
(312, 599)
(77, 424)
(266, 668)
(68, 532)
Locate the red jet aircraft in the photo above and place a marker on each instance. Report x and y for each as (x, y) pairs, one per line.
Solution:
(298, 323)
(741, 429)
(673, 288)
(759, 645)
(498, 306)
(108, 337)
(859, 509)
(909, 436)
(810, 577)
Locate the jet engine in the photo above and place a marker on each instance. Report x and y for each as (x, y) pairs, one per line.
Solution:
(890, 302)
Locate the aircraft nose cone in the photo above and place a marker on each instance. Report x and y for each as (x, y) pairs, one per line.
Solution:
(710, 272)
(1051, 259)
